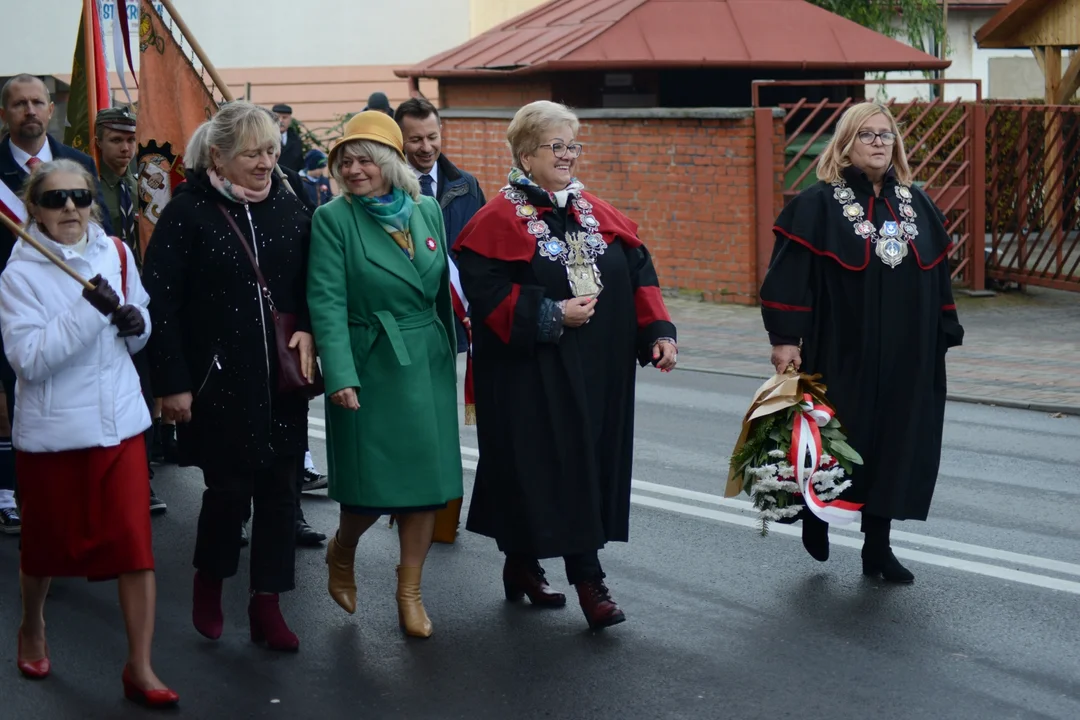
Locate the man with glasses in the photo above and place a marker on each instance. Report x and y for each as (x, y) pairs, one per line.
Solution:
(26, 110)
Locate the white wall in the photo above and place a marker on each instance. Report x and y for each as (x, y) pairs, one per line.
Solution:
(39, 35)
(968, 61)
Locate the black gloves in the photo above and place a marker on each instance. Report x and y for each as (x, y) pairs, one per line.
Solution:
(102, 296)
(127, 318)
(129, 321)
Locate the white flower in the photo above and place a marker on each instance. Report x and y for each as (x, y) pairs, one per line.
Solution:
(786, 471)
(777, 454)
(780, 513)
(772, 484)
(827, 459)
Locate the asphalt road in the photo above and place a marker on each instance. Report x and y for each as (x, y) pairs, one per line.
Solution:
(722, 623)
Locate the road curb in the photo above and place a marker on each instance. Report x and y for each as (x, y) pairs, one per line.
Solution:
(968, 399)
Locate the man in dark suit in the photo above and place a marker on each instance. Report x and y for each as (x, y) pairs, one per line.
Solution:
(292, 150)
(25, 109)
(458, 192)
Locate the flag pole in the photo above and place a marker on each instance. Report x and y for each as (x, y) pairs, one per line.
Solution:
(90, 65)
(20, 232)
(226, 93)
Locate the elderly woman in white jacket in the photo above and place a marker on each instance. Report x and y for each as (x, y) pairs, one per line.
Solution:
(79, 419)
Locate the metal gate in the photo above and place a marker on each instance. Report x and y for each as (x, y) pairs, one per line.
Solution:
(1033, 198)
(945, 142)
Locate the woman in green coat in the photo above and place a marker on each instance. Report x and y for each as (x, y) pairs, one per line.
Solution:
(379, 299)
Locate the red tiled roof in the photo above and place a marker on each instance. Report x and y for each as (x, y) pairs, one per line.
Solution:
(642, 34)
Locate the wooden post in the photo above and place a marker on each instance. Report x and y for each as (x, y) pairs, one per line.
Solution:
(764, 180)
(1053, 144)
(977, 222)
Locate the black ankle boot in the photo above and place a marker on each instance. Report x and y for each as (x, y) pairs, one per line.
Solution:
(877, 556)
(815, 536)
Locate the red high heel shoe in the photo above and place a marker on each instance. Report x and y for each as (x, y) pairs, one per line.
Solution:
(150, 698)
(33, 669)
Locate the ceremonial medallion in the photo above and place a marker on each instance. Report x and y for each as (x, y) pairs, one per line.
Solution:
(892, 251)
(584, 280)
(577, 253)
(581, 267)
(891, 242)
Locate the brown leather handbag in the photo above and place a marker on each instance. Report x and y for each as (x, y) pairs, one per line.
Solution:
(290, 375)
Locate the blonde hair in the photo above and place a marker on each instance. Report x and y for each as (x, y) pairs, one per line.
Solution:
(835, 157)
(390, 163)
(238, 126)
(32, 190)
(527, 128)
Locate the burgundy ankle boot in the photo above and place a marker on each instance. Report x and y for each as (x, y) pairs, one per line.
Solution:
(524, 577)
(600, 610)
(267, 624)
(206, 606)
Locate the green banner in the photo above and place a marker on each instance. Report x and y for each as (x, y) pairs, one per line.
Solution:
(77, 133)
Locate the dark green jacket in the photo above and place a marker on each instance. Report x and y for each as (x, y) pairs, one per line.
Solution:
(110, 190)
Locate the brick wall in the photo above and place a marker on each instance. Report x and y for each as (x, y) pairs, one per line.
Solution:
(686, 177)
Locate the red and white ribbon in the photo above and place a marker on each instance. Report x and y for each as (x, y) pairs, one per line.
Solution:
(805, 457)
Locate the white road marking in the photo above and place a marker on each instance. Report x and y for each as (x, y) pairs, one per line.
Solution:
(970, 566)
(744, 517)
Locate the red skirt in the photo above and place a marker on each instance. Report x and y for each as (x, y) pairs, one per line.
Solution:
(85, 513)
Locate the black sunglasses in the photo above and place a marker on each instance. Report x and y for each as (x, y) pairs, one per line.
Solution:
(56, 199)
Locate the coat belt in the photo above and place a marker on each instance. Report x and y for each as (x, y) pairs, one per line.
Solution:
(392, 325)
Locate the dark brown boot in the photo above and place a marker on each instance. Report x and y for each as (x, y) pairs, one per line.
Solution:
(523, 577)
(600, 610)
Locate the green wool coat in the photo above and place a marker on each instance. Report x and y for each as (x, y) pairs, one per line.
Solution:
(384, 324)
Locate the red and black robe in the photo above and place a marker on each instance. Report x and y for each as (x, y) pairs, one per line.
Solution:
(555, 415)
(878, 335)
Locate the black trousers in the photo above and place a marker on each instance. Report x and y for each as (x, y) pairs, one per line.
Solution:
(299, 492)
(226, 502)
(579, 568)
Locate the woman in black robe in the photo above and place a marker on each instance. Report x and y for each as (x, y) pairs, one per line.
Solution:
(859, 290)
(564, 300)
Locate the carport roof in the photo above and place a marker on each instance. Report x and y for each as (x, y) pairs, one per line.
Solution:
(651, 34)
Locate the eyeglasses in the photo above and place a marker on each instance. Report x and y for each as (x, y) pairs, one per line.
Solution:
(56, 199)
(560, 149)
(867, 137)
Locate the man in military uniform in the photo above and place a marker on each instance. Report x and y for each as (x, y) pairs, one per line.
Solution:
(115, 131)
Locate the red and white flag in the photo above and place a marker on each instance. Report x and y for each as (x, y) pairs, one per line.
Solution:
(11, 205)
(461, 309)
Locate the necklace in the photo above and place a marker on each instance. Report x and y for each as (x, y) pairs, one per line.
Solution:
(891, 242)
(579, 250)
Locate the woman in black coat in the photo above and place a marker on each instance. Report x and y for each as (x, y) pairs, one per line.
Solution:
(564, 299)
(859, 290)
(214, 359)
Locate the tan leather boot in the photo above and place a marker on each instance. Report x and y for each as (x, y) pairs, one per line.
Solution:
(342, 580)
(411, 614)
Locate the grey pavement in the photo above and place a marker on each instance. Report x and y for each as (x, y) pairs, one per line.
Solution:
(1020, 349)
(722, 623)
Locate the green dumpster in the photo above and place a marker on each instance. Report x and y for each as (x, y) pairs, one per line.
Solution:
(804, 162)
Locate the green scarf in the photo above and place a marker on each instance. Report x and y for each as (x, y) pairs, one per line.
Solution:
(393, 213)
